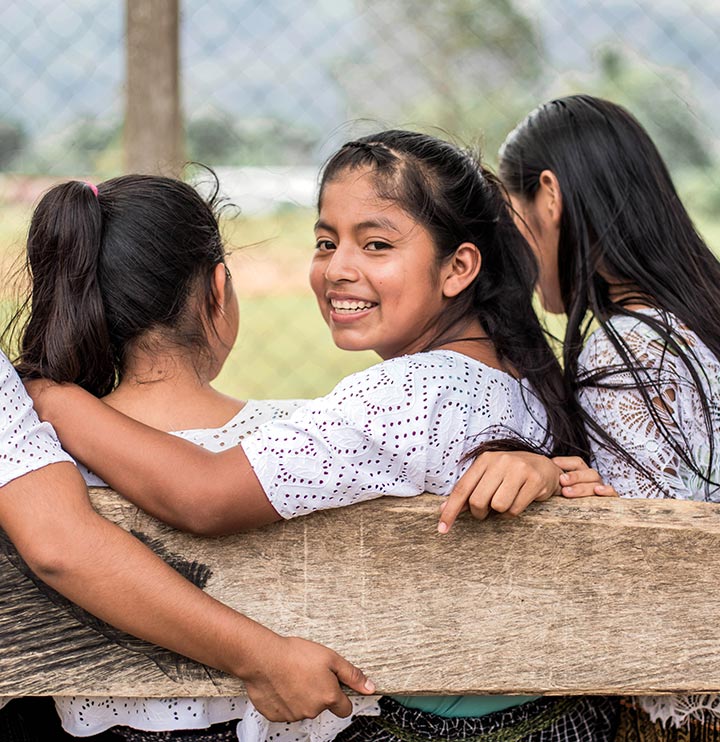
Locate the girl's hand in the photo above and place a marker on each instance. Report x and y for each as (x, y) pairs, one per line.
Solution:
(579, 480)
(39, 389)
(504, 481)
(299, 679)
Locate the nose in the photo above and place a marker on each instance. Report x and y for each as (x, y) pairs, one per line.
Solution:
(341, 265)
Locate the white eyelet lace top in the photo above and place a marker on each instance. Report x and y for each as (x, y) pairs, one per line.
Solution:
(624, 415)
(84, 717)
(402, 427)
(26, 444)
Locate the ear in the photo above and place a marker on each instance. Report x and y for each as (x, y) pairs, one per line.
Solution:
(461, 269)
(549, 197)
(220, 285)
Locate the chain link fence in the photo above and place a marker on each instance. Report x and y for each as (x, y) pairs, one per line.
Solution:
(271, 87)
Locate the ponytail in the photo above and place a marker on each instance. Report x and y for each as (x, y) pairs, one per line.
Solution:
(114, 268)
(66, 337)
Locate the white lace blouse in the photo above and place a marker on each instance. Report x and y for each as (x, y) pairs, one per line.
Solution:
(402, 427)
(26, 444)
(625, 416)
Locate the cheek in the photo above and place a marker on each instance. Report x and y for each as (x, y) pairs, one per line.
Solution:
(316, 277)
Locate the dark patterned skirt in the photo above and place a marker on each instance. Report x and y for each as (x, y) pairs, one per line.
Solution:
(559, 719)
(636, 726)
(223, 732)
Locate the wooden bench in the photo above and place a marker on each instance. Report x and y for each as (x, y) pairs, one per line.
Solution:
(585, 596)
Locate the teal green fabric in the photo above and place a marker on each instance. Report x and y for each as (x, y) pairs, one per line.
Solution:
(462, 706)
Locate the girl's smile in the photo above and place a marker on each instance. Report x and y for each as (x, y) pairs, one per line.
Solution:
(375, 272)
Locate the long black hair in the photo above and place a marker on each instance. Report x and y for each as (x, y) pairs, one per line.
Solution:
(621, 220)
(108, 265)
(447, 191)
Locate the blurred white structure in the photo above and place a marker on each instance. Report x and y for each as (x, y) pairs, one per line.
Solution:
(261, 190)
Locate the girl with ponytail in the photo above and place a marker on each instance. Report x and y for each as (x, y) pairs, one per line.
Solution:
(131, 300)
(417, 257)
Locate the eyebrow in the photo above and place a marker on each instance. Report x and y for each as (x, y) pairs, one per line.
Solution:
(377, 223)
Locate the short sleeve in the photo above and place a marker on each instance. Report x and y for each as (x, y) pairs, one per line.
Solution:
(615, 403)
(398, 428)
(26, 444)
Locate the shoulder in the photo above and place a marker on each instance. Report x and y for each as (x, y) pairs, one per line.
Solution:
(8, 376)
(422, 377)
(255, 412)
(14, 400)
(676, 359)
(599, 347)
(26, 444)
(646, 345)
(436, 368)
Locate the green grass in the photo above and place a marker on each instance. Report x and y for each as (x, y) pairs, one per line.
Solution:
(284, 350)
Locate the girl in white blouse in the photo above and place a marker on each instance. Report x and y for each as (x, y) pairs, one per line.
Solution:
(614, 242)
(417, 258)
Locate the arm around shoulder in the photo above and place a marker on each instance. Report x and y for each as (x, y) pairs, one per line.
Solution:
(182, 484)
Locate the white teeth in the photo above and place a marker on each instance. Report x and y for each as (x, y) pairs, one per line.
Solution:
(347, 305)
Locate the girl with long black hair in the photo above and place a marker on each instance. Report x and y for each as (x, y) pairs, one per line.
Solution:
(621, 257)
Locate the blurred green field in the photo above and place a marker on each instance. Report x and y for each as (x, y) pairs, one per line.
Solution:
(284, 349)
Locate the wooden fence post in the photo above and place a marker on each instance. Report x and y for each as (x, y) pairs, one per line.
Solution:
(153, 125)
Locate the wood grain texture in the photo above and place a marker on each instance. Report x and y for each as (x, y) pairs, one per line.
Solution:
(585, 596)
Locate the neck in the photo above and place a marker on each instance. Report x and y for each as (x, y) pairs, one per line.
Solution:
(166, 391)
(470, 339)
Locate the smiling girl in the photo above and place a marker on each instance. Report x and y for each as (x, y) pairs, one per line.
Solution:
(417, 258)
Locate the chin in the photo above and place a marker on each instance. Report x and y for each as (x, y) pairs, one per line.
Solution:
(346, 343)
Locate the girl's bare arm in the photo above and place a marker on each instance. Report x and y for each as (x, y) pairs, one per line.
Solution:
(176, 481)
(97, 565)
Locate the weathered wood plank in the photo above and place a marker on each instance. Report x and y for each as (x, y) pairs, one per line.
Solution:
(598, 595)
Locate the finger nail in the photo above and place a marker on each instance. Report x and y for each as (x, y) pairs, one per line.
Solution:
(600, 488)
(568, 490)
(442, 527)
(564, 477)
(369, 686)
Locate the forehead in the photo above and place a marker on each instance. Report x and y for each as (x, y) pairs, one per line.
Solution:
(352, 195)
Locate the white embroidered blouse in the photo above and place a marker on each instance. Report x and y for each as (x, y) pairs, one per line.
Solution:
(676, 401)
(402, 427)
(26, 444)
(625, 416)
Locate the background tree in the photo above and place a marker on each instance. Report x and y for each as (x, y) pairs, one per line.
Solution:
(449, 64)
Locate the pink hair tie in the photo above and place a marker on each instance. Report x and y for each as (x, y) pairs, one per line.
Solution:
(92, 187)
